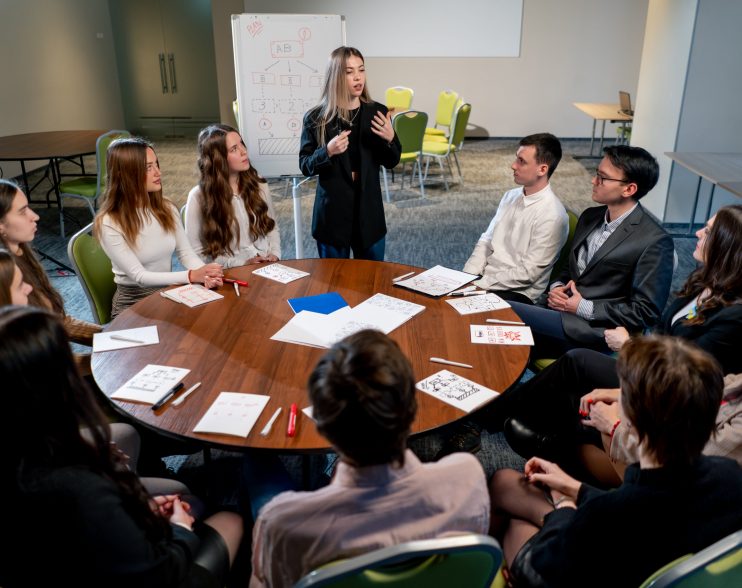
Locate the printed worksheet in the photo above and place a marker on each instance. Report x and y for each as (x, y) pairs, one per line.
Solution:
(480, 303)
(280, 273)
(150, 384)
(232, 413)
(501, 335)
(125, 338)
(456, 390)
(394, 304)
(191, 295)
(437, 281)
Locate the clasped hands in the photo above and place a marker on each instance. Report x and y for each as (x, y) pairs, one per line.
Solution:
(210, 275)
(599, 409)
(171, 507)
(564, 298)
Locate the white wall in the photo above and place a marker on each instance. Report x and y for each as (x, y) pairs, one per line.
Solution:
(667, 45)
(57, 73)
(571, 51)
(221, 11)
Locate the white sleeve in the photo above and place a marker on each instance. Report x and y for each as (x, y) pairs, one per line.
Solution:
(482, 250)
(186, 254)
(193, 222)
(274, 237)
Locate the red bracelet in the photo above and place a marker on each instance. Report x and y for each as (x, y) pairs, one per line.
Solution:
(615, 426)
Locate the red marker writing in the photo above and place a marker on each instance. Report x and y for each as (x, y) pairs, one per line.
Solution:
(291, 431)
(233, 281)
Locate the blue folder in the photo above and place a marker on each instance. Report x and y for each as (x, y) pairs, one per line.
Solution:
(321, 303)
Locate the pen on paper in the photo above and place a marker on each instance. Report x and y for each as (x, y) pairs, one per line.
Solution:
(291, 430)
(127, 339)
(168, 395)
(449, 362)
(185, 394)
(473, 293)
(403, 276)
(267, 429)
(467, 289)
(505, 322)
(236, 288)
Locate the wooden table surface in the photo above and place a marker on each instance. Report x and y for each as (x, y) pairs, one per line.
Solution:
(600, 111)
(714, 167)
(48, 145)
(226, 344)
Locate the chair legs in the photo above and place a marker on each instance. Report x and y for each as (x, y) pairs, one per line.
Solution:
(386, 184)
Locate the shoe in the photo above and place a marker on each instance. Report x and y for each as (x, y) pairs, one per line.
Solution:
(528, 443)
(466, 438)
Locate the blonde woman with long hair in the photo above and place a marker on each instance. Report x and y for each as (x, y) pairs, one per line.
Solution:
(345, 139)
(139, 229)
(229, 215)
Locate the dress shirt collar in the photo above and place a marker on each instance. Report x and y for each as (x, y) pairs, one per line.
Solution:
(536, 196)
(377, 475)
(614, 224)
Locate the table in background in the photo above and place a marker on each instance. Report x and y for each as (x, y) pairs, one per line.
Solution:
(603, 112)
(724, 169)
(226, 344)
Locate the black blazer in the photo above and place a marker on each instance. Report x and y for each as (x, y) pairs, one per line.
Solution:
(718, 334)
(332, 219)
(628, 278)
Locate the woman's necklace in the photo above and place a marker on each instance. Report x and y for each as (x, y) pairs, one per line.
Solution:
(353, 117)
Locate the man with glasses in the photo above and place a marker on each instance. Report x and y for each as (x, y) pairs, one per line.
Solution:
(620, 263)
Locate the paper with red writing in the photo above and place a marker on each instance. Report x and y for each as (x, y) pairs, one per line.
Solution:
(501, 335)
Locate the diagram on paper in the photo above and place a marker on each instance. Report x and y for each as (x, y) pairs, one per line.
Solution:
(456, 390)
(280, 273)
(501, 335)
(475, 304)
(395, 304)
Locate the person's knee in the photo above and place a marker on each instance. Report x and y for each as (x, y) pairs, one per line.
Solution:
(501, 483)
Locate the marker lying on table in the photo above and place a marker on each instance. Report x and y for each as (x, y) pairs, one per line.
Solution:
(449, 362)
(168, 395)
(505, 322)
(185, 394)
(291, 431)
(233, 281)
(403, 276)
(459, 292)
(471, 293)
(267, 429)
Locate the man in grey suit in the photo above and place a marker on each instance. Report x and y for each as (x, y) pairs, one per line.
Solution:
(620, 263)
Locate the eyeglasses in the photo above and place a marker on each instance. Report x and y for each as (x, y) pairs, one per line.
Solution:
(601, 178)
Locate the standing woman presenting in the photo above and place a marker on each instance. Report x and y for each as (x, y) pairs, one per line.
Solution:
(229, 215)
(345, 139)
(139, 229)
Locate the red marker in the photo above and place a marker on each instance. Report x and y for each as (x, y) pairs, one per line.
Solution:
(291, 431)
(233, 281)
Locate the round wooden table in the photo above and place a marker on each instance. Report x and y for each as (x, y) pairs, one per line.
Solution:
(226, 344)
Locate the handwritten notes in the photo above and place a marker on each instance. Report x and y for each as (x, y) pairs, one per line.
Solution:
(456, 390)
(191, 295)
(475, 304)
(501, 335)
(150, 384)
(280, 273)
(232, 413)
(436, 281)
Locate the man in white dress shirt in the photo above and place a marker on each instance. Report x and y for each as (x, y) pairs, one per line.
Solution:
(516, 253)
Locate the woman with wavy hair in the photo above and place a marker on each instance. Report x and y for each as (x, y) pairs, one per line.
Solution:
(139, 229)
(229, 215)
(79, 515)
(344, 140)
(13, 288)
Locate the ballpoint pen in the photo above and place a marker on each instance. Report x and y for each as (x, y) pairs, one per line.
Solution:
(126, 339)
(291, 431)
(472, 293)
(168, 395)
(267, 429)
(402, 277)
(178, 401)
(449, 362)
(236, 288)
(505, 322)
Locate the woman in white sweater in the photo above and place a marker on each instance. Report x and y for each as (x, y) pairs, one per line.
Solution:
(139, 229)
(229, 215)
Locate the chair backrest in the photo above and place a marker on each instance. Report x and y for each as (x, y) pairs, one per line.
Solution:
(101, 148)
(564, 254)
(461, 560)
(410, 128)
(717, 566)
(399, 98)
(460, 120)
(93, 269)
(446, 106)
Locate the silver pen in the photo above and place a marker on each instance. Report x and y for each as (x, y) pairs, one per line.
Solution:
(183, 396)
(403, 276)
(267, 429)
(505, 322)
(449, 362)
(127, 339)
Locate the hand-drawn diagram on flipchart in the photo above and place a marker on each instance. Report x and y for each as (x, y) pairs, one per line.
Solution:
(280, 62)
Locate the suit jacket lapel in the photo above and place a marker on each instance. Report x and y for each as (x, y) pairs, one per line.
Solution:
(581, 236)
(624, 230)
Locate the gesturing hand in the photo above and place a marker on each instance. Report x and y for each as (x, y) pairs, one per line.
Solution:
(338, 144)
(382, 126)
(551, 475)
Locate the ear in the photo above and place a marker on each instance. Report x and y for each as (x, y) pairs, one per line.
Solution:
(629, 190)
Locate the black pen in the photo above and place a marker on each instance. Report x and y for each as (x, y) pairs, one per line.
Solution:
(168, 395)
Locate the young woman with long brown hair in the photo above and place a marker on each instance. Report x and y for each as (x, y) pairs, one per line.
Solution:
(13, 288)
(139, 229)
(345, 139)
(229, 216)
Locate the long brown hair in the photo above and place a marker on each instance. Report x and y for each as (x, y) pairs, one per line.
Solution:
(335, 93)
(219, 226)
(126, 200)
(7, 273)
(43, 294)
(721, 271)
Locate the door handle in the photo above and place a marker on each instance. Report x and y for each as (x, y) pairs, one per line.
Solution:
(163, 73)
(173, 82)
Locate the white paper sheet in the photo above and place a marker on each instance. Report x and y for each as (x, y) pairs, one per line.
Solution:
(501, 335)
(480, 303)
(150, 384)
(191, 295)
(232, 413)
(456, 391)
(147, 336)
(280, 273)
(437, 281)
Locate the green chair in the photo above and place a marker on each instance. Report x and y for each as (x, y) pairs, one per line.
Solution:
(399, 98)
(463, 560)
(93, 269)
(410, 129)
(444, 151)
(717, 566)
(444, 112)
(89, 188)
